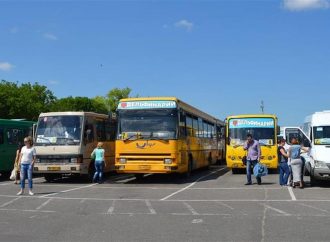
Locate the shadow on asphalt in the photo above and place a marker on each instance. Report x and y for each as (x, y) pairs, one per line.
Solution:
(114, 178)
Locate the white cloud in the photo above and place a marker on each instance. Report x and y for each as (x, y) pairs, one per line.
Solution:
(299, 5)
(53, 82)
(184, 24)
(50, 36)
(6, 66)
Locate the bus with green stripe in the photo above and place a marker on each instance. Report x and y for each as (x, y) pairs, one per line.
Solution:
(12, 133)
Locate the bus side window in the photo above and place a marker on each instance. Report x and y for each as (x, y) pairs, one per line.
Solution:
(1, 136)
(182, 125)
(88, 133)
(14, 136)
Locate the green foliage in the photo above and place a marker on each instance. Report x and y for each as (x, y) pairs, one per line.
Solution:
(78, 104)
(24, 101)
(29, 100)
(114, 95)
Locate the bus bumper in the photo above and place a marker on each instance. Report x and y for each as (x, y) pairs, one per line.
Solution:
(60, 168)
(143, 168)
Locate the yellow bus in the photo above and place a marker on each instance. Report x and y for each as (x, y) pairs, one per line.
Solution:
(64, 142)
(262, 127)
(165, 135)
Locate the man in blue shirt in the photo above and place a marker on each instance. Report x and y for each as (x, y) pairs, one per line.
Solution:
(252, 158)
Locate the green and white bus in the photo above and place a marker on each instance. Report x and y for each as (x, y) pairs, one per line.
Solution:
(12, 132)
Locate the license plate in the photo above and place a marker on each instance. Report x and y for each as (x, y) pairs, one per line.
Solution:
(144, 167)
(54, 168)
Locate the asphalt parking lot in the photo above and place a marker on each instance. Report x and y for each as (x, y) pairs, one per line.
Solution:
(211, 205)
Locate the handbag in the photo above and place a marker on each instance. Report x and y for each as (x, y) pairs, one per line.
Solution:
(244, 160)
(13, 174)
(260, 170)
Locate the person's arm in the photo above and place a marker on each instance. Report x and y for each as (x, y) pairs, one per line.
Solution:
(245, 146)
(17, 157)
(34, 154)
(284, 153)
(306, 149)
(259, 152)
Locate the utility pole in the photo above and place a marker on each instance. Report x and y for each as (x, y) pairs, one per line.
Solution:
(262, 106)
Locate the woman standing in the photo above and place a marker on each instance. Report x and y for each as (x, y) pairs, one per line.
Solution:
(98, 153)
(26, 160)
(296, 162)
(283, 163)
(16, 164)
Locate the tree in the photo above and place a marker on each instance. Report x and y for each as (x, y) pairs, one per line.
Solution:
(78, 104)
(114, 95)
(25, 101)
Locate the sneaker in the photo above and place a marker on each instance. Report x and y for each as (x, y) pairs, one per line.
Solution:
(31, 193)
(248, 183)
(19, 193)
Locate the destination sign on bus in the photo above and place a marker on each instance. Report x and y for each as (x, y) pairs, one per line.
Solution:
(146, 105)
(251, 123)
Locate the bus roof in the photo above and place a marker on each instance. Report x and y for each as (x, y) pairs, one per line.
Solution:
(252, 116)
(319, 118)
(16, 122)
(188, 108)
(70, 113)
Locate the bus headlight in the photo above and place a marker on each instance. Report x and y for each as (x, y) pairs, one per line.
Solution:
(38, 160)
(122, 160)
(320, 164)
(167, 161)
(76, 160)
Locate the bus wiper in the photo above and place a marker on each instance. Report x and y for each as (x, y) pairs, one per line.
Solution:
(42, 138)
(130, 137)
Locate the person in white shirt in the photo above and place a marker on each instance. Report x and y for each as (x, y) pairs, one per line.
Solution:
(26, 160)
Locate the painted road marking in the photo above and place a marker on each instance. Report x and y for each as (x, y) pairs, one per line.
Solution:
(69, 190)
(10, 202)
(44, 204)
(191, 209)
(293, 197)
(191, 184)
(151, 209)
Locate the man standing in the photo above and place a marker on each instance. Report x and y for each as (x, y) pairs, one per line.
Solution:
(253, 157)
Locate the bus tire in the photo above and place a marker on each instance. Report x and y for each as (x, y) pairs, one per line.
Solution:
(91, 171)
(235, 171)
(139, 176)
(51, 177)
(189, 168)
(209, 160)
(313, 181)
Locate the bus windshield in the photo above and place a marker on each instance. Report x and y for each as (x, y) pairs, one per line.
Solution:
(321, 135)
(147, 124)
(59, 130)
(261, 129)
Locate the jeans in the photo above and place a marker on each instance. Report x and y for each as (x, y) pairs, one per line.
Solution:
(26, 171)
(284, 173)
(99, 165)
(249, 166)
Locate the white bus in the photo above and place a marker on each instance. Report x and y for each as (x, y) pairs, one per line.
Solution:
(64, 142)
(317, 128)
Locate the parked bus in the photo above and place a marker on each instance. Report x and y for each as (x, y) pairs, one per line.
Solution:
(165, 135)
(65, 140)
(12, 132)
(263, 128)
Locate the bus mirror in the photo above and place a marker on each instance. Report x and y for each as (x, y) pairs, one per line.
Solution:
(278, 130)
(112, 115)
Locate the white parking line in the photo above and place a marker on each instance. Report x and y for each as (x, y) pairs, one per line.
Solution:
(293, 197)
(112, 208)
(191, 209)
(151, 209)
(44, 204)
(318, 209)
(277, 210)
(26, 210)
(10, 202)
(191, 184)
(69, 190)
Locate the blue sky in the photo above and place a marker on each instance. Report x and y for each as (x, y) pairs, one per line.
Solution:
(223, 57)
